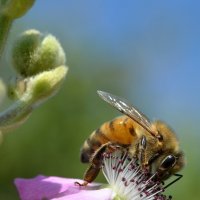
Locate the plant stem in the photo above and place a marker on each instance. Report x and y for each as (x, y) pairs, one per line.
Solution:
(14, 114)
(5, 24)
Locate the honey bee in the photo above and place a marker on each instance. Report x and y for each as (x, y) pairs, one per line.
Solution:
(153, 144)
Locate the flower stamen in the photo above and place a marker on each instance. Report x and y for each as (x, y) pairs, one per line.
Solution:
(128, 180)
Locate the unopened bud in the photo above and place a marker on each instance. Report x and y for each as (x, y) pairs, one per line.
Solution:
(33, 53)
(44, 85)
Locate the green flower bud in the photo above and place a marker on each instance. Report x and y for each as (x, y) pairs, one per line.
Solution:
(44, 85)
(47, 56)
(16, 88)
(16, 8)
(37, 90)
(33, 53)
(24, 49)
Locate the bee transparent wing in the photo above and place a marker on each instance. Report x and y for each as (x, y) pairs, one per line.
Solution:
(126, 108)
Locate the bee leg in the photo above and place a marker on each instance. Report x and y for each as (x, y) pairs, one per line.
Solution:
(142, 153)
(90, 174)
(96, 163)
(177, 175)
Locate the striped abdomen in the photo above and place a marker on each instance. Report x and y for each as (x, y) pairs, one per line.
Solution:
(121, 130)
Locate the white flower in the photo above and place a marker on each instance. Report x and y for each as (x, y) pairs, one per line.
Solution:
(128, 181)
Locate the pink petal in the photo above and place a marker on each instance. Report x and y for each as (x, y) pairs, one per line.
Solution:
(45, 188)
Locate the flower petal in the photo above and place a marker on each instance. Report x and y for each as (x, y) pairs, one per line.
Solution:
(43, 188)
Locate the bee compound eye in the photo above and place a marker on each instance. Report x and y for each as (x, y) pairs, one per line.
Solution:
(168, 162)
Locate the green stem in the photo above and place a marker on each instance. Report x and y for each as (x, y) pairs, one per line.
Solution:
(5, 24)
(9, 127)
(14, 114)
